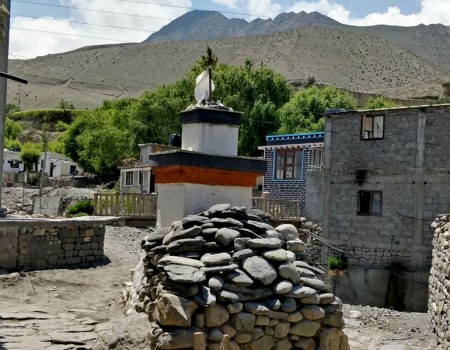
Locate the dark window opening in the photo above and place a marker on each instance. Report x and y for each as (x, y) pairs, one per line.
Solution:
(288, 165)
(372, 127)
(14, 163)
(129, 177)
(369, 202)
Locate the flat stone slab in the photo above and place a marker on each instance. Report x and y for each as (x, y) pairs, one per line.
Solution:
(25, 316)
(220, 268)
(260, 269)
(315, 269)
(276, 254)
(240, 278)
(226, 222)
(177, 260)
(219, 208)
(216, 259)
(186, 245)
(242, 254)
(268, 243)
(300, 292)
(184, 274)
(316, 284)
(187, 233)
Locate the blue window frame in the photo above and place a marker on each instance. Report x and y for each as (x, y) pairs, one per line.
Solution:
(288, 164)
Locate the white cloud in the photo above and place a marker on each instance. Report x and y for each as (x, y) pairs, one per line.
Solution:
(263, 8)
(431, 11)
(38, 41)
(232, 4)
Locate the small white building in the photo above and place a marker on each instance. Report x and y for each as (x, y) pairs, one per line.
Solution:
(139, 178)
(11, 162)
(58, 165)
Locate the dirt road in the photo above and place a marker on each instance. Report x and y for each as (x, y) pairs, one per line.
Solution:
(69, 309)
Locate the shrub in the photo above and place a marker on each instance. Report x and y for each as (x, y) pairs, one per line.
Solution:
(61, 126)
(337, 262)
(30, 155)
(84, 206)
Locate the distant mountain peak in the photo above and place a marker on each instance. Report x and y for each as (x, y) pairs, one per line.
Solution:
(208, 25)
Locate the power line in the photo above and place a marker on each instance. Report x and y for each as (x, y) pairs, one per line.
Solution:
(341, 26)
(85, 23)
(67, 34)
(92, 10)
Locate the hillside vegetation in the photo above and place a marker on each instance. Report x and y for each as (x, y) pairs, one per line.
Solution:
(334, 56)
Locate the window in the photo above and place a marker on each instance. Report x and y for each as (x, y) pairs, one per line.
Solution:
(14, 163)
(316, 162)
(369, 202)
(129, 177)
(372, 127)
(140, 177)
(288, 164)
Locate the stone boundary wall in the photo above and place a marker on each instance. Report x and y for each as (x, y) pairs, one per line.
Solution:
(439, 282)
(40, 244)
(70, 181)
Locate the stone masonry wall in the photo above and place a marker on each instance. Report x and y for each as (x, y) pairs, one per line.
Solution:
(439, 282)
(228, 276)
(49, 244)
(409, 166)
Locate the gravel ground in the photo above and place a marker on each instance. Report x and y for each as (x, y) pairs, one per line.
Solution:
(95, 292)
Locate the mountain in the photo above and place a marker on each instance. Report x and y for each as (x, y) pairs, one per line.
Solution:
(402, 62)
(207, 25)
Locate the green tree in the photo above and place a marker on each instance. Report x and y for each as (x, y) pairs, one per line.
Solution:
(258, 93)
(12, 129)
(304, 112)
(379, 102)
(12, 144)
(210, 59)
(30, 155)
(99, 139)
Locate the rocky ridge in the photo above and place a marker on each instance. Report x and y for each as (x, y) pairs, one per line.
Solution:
(230, 275)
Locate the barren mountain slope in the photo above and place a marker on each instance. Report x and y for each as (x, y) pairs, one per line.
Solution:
(337, 57)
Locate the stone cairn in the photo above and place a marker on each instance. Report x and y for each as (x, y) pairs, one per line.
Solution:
(439, 282)
(228, 279)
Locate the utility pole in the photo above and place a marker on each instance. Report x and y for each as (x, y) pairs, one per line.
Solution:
(4, 49)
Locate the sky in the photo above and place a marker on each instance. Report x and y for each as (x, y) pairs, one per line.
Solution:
(42, 27)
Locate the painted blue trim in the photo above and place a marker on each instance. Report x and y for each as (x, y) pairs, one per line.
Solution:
(296, 136)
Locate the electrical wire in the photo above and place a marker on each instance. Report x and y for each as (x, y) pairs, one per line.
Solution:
(93, 10)
(358, 258)
(84, 23)
(339, 26)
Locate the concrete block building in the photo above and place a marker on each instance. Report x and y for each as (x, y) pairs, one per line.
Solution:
(139, 178)
(386, 176)
(288, 159)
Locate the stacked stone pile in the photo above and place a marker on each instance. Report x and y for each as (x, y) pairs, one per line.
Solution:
(228, 272)
(439, 282)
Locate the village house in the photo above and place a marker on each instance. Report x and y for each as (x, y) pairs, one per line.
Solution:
(13, 170)
(385, 178)
(138, 177)
(58, 165)
(288, 158)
